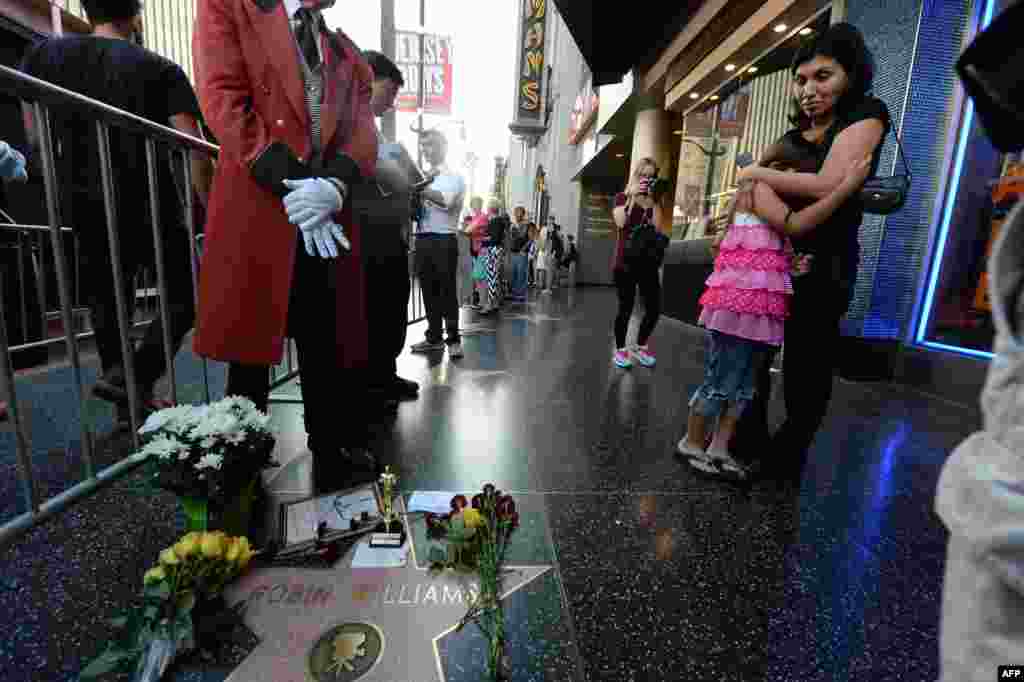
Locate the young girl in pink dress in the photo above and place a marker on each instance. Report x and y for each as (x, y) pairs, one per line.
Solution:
(746, 303)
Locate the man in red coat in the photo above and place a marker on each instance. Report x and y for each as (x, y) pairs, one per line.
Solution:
(289, 102)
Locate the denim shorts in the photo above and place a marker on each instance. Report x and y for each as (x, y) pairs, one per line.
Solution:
(730, 375)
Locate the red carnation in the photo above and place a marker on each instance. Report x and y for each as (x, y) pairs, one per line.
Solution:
(459, 502)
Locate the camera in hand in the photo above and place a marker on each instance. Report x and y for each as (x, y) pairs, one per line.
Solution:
(655, 187)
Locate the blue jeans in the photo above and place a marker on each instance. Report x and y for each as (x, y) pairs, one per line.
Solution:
(520, 274)
(730, 375)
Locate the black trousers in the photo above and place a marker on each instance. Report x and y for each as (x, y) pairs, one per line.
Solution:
(333, 399)
(627, 281)
(137, 252)
(437, 262)
(388, 287)
(810, 358)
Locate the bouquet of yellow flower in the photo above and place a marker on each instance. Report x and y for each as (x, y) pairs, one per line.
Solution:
(195, 569)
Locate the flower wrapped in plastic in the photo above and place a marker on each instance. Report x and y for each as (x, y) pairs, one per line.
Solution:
(189, 573)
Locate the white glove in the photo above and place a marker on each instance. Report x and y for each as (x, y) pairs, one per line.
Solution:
(309, 206)
(12, 163)
(320, 240)
(312, 201)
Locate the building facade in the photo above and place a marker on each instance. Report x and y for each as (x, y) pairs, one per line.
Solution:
(719, 81)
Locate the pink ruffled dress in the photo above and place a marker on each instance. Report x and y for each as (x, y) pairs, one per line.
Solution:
(748, 293)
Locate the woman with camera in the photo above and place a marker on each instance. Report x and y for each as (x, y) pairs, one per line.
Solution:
(637, 211)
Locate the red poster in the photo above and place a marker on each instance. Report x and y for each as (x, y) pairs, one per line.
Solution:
(436, 76)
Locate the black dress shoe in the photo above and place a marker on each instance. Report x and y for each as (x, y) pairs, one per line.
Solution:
(405, 389)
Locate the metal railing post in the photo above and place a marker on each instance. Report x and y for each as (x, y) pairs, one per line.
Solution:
(190, 224)
(161, 273)
(120, 292)
(42, 120)
(28, 480)
(21, 286)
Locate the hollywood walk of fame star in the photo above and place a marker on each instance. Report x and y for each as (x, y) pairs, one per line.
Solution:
(290, 608)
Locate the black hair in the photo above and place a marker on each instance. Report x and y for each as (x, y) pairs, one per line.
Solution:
(109, 11)
(384, 67)
(844, 43)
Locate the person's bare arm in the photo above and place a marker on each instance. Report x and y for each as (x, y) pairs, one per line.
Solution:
(770, 208)
(202, 164)
(855, 142)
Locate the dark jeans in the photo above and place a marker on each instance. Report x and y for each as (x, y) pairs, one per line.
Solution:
(136, 245)
(627, 281)
(333, 399)
(520, 275)
(437, 262)
(387, 306)
(810, 355)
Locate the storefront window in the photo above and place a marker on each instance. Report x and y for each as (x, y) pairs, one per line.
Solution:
(957, 312)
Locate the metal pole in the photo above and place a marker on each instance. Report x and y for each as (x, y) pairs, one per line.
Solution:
(28, 481)
(422, 99)
(161, 272)
(23, 290)
(711, 163)
(190, 224)
(389, 121)
(120, 293)
(42, 121)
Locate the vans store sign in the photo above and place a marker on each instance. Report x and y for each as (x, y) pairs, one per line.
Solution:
(531, 60)
(437, 72)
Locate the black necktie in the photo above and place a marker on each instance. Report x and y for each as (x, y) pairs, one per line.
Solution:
(307, 33)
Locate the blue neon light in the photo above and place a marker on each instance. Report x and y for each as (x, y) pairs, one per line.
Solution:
(947, 215)
(957, 349)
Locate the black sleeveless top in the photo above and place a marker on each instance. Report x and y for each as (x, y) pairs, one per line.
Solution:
(835, 243)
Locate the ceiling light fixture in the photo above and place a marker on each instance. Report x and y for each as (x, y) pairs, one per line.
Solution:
(730, 67)
(752, 69)
(780, 28)
(677, 132)
(619, 156)
(694, 95)
(806, 31)
(713, 97)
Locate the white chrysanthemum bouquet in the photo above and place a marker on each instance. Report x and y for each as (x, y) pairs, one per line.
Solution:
(208, 451)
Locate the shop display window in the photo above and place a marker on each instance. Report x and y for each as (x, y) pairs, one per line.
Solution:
(983, 188)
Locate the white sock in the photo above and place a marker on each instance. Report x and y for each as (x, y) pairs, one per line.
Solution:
(718, 448)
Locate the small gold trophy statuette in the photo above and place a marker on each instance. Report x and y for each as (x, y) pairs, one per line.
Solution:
(388, 538)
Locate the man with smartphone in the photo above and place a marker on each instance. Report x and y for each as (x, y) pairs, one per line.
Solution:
(386, 209)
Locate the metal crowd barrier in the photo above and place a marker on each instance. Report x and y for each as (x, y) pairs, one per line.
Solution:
(42, 97)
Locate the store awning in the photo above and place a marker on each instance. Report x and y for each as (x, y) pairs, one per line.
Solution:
(613, 42)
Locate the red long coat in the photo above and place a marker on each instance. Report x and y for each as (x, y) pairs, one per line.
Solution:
(251, 92)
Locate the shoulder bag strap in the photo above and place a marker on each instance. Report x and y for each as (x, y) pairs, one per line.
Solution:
(902, 155)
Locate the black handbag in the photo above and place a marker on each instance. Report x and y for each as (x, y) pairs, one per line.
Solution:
(646, 246)
(885, 195)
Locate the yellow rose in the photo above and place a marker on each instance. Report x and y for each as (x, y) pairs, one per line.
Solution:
(472, 518)
(212, 545)
(234, 550)
(245, 552)
(154, 575)
(169, 558)
(188, 545)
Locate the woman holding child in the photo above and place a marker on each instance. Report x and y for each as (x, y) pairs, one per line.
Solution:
(820, 165)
